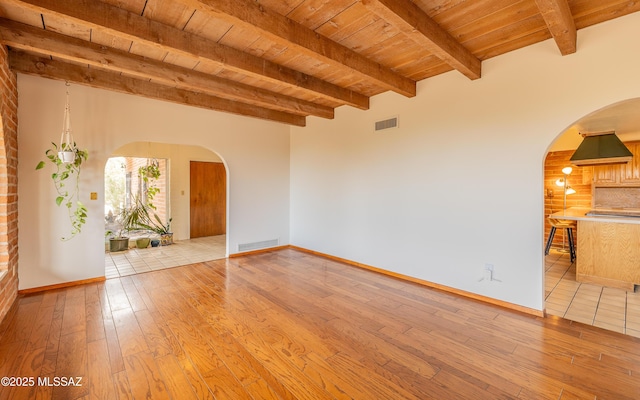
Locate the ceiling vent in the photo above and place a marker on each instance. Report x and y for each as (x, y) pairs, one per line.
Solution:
(391, 123)
(601, 148)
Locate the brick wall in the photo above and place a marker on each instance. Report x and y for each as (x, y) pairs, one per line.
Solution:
(160, 200)
(579, 180)
(8, 185)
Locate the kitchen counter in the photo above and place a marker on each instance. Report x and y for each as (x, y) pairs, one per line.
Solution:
(615, 215)
(608, 248)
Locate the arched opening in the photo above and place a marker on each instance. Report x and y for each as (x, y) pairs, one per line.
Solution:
(570, 292)
(156, 182)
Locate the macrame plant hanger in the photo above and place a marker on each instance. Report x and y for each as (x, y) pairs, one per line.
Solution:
(67, 149)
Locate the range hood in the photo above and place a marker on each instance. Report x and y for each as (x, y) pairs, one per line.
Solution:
(601, 148)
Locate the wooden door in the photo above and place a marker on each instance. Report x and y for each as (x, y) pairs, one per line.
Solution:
(208, 198)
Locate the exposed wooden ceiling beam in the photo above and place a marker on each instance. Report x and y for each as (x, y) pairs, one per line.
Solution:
(121, 23)
(45, 67)
(557, 16)
(305, 41)
(416, 24)
(37, 40)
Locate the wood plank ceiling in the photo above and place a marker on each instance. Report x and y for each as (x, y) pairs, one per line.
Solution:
(280, 60)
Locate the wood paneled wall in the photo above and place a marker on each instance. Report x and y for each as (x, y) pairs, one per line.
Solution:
(583, 179)
(8, 185)
(579, 180)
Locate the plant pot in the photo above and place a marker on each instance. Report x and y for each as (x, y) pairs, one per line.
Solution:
(67, 156)
(155, 243)
(142, 243)
(166, 239)
(118, 244)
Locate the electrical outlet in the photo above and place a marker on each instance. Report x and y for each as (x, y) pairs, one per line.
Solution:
(488, 276)
(488, 273)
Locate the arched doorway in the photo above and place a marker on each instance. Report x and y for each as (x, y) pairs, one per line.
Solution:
(172, 204)
(565, 296)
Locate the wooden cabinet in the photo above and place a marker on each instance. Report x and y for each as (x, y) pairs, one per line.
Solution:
(630, 172)
(606, 174)
(627, 174)
(609, 254)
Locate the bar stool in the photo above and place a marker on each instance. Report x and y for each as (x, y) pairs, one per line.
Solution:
(562, 224)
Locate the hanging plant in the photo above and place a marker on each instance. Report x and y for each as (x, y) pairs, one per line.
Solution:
(149, 174)
(66, 179)
(67, 159)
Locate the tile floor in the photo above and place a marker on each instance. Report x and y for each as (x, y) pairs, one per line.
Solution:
(134, 261)
(608, 308)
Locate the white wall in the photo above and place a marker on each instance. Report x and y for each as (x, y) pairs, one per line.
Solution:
(460, 183)
(255, 152)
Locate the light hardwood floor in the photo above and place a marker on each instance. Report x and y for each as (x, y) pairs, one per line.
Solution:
(291, 325)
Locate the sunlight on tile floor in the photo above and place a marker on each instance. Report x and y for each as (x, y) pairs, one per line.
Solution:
(134, 261)
(608, 308)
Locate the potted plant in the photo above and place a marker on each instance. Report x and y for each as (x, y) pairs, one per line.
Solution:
(68, 161)
(134, 219)
(143, 242)
(66, 156)
(164, 230)
(117, 241)
(149, 174)
(141, 216)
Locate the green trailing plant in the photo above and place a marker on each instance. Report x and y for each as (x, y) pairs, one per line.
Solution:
(149, 174)
(142, 215)
(66, 179)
